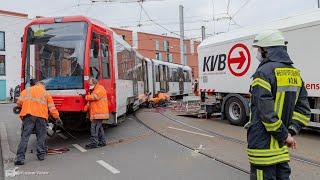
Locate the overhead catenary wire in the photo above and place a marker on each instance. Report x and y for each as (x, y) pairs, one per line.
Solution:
(123, 1)
(231, 16)
(88, 9)
(241, 7)
(213, 18)
(140, 16)
(228, 9)
(20, 20)
(161, 26)
(203, 18)
(168, 23)
(140, 2)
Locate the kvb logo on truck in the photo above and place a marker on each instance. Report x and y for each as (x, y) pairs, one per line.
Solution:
(238, 61)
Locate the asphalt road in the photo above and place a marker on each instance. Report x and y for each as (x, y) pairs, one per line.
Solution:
(140, 154)
(197, 134)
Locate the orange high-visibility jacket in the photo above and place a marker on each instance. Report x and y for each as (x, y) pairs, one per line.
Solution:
(36, 101)
(163, 96)
(160, 97)
(97, 103)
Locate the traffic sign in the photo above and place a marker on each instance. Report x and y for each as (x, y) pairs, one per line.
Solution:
(239, 60)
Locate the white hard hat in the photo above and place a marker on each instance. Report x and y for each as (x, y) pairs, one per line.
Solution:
(269, 38)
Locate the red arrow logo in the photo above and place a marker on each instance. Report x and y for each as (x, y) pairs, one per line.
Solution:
(239, 60)
(244, 58)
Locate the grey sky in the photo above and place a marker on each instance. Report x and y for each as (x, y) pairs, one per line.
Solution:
(197, 12)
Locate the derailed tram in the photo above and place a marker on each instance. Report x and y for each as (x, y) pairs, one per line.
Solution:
(66, 52)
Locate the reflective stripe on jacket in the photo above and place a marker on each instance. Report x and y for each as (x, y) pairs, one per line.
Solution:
(36, 101)
(278, 103)
(97, 103)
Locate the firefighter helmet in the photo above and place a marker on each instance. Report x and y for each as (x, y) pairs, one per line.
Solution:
(269, 38)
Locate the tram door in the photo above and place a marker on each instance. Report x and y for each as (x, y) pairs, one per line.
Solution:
(101, 66)
(181, 80)
(145, 76)
(163, 77)
(134, 75)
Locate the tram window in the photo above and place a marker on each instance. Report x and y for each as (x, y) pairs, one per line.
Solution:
(139, 73)
(181, 76)
(126, 61)
(138, 68)
(168, 73)
(186, 76)
(157, 73)
(174, 77)
(94, 66)
(105, 61)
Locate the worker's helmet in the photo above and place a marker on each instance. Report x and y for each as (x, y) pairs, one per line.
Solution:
(269, 38)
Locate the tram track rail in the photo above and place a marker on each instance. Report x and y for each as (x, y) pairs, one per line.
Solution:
(238, 141)
(193, 149)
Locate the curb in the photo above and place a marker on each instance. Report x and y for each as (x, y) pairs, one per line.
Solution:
(5, 102)
(7, 155)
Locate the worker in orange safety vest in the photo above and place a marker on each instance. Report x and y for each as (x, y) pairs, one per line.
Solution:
(97, 105)
(160, 98)
(35, 103)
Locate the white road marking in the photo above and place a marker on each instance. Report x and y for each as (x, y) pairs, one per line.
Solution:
(192, 132)
(63, 136)
(108, 167)
(79, 147)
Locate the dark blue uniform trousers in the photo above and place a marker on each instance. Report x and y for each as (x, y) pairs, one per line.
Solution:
(97, 132)
(30, 123)
(279, 171)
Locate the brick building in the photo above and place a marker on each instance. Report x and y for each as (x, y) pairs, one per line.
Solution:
(162, 47)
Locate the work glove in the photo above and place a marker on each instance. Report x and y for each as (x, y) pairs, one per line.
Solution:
(59, 122)
(16, 110)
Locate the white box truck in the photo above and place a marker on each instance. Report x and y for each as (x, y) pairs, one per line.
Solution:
(227, 62)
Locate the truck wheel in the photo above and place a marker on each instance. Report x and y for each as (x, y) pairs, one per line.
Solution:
(235, 111)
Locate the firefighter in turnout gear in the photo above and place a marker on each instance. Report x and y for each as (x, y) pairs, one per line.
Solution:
(35, 103)
(98, 111)
(279, 109)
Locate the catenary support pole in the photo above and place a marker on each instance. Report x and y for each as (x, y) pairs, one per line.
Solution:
(203, 33)
(181, 35)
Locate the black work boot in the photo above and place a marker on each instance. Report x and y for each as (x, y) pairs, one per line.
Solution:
(102, 144)
(91, 146)
(41, 158)
(18, 162)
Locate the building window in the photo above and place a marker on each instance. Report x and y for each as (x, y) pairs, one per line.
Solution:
(166, 46)
(2, 41)
(158, 56)
(157, 45)
(185, 59)
(185, 48)
(169, 57)
(124, 37)
(2, 65)
(191, 46)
